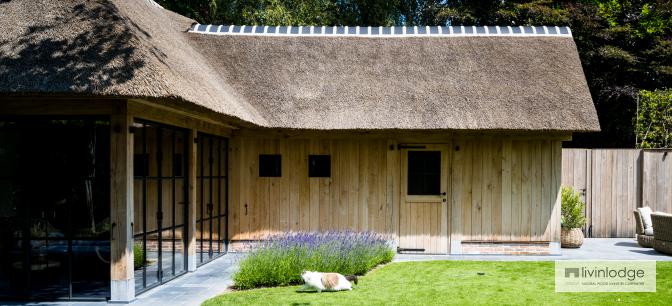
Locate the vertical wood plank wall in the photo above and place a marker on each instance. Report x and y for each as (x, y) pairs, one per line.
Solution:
(355, 197)
(614, 182)
(503, 189)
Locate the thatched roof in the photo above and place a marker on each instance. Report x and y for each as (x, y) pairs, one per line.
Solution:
(109, 48)
(454, 82)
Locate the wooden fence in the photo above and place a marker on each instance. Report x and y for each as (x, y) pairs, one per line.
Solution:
(614, 182)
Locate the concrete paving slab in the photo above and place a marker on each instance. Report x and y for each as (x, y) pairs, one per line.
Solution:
(593, 248)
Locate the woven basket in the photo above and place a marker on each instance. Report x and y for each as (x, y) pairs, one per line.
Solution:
(571, 238)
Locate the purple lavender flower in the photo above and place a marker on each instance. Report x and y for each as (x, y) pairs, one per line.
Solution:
(280, 259)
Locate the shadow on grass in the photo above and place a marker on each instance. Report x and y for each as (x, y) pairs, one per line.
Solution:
(300, 290)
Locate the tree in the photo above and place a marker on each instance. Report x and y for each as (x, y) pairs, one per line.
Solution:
(653, 124)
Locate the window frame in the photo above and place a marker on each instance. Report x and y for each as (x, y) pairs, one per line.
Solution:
(410, 173)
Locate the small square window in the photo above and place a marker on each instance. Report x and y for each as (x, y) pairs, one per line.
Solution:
(270, 165)
(319, 166)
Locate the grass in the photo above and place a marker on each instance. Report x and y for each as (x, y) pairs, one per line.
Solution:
(454, 282)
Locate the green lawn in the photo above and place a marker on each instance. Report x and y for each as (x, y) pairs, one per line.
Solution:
(454, 282)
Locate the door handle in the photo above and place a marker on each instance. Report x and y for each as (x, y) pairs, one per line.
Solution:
(443, 193)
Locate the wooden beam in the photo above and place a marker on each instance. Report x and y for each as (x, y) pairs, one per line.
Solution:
(59, 106)
(121, 206)
(400, 136)
(168, 115)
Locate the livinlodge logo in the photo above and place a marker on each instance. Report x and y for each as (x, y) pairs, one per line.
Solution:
(624, 273)
(605, 276)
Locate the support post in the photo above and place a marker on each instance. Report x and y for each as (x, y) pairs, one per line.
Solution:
(121, 206)
(192, 259)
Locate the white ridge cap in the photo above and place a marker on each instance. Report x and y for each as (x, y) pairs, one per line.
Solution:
(382, 32)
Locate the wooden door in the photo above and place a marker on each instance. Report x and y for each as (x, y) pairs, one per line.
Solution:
(423, 215)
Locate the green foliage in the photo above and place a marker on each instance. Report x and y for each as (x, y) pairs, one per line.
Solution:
(616, 54)
(138, 256)
(572, 209)
(653, 19)
(279, 12)
(280, 261)
(291, 12)
(456, 282)
(653, 123)
(610, 10)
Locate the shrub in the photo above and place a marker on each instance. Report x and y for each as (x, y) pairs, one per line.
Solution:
(572, 209)
(653, 122)
(138, 256)
(280, 260)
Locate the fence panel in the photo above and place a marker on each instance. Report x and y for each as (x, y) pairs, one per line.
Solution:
(610, 183)
(657, 180)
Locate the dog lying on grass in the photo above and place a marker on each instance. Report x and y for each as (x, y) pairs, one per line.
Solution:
(327, 281)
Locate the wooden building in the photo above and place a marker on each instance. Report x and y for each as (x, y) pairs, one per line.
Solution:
(126, 129)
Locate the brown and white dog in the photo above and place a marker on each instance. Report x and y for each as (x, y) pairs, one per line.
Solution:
(327, 281)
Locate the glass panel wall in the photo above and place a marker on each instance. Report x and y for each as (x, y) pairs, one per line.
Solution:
(54, 208)
(160, 165)
(212, 197)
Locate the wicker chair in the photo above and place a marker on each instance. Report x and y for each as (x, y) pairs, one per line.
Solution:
(643, 239)
(662, 232)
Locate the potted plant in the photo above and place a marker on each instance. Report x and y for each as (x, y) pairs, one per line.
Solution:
(572, 220)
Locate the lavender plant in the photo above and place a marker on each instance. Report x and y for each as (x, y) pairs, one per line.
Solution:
(279, 260)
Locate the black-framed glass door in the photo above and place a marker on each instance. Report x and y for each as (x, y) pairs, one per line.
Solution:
(54, 208)
(211, 205)
(160, 164)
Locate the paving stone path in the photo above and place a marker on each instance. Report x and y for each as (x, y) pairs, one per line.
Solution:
(194, 288)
